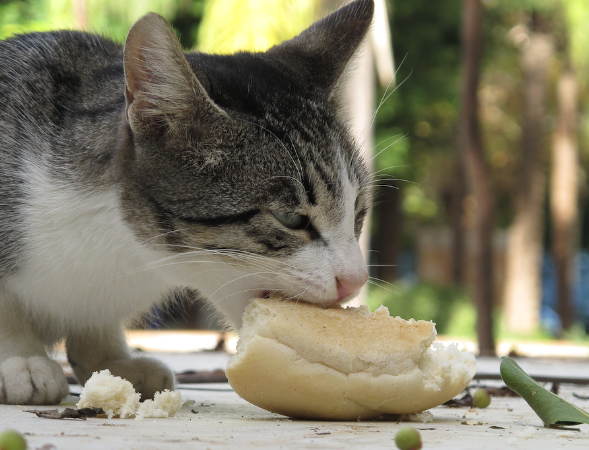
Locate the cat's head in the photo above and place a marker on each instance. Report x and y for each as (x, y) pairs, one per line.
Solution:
(240, 168)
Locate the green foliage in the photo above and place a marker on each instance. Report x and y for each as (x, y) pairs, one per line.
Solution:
(502, 332)
(577, 334)
(255, 25)
(448, 306)
(577, 17)
(424, 106)
(451, 308)
(22, 16)
(111, 18)
(539, 6)
(114, 18)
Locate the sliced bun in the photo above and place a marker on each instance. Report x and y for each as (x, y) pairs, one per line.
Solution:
(303, 361)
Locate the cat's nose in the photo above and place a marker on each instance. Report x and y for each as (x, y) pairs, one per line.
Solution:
(348, 285)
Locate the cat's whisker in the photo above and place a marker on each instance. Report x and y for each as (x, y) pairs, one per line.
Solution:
(254, 260)
(375, 147)
(400, 139)
(196, 262)
(160, 263)
(373, 283)
(160, 266)
(385, 97)
(383, 284)
(387, 94)
(301, 295)
(393, 80)
(386, 169)
(234, 253)
(387, 177)
(382, 281)
(259, 260)
(240, 278)
(166, 233)
(385, 186)
(378, 180)
(294, 149)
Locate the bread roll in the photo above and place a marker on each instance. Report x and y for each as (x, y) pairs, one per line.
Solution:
(303, 361)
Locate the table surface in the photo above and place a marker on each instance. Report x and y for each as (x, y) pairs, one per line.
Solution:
(214, 417)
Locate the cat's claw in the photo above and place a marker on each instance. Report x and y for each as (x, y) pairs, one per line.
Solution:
(147, 375)
(34, 380)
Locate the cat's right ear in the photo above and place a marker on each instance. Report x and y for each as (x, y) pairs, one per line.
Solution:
(321, 53)
(162, 93)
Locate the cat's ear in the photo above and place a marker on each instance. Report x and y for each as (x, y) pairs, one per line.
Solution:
(323, 50)
(161, 90)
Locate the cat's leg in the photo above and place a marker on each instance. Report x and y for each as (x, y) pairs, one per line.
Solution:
(27, 375)
(95, 350)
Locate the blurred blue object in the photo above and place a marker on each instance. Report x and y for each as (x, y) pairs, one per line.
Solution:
(406, 269)
(548, 315)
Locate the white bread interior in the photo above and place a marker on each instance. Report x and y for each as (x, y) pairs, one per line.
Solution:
(303, 361)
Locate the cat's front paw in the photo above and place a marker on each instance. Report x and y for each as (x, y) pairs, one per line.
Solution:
(147, 375)
(34, 380)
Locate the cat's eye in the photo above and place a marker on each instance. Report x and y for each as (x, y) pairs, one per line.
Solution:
(292, 221)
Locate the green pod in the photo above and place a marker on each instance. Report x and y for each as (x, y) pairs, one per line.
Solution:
(552, 409)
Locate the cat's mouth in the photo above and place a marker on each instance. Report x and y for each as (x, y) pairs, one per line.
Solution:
(276, 296)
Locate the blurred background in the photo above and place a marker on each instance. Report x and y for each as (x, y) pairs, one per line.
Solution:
(479, 145)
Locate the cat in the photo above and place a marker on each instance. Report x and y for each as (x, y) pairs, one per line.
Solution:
(129, 171)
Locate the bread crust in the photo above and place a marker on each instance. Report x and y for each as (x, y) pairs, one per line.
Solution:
(344, 363)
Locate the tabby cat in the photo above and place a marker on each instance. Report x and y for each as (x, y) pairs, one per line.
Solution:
(128, 172)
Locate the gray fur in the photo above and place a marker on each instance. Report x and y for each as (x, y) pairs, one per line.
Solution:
(62, 98)
(200, 149)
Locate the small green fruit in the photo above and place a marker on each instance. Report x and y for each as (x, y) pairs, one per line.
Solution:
(408, 439)
(481, 398)
(12, 440)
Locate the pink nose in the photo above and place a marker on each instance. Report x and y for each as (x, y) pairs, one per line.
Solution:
(347, 286)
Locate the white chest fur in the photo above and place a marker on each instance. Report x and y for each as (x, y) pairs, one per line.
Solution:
(83, 266)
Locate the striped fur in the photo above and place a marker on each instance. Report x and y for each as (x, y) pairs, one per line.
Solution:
(126, 173)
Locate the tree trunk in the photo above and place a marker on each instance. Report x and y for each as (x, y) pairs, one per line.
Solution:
(388, 229)
(458, 196)
(564, 194)
(524, 250)
(478, 174)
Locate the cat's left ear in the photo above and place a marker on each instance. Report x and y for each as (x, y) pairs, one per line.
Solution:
(161, 90)
(321, 52)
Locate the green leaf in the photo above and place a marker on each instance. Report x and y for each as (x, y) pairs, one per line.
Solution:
(552, 409)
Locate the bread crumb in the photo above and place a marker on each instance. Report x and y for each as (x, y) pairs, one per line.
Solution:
(527, 433)
(114, 395)
(471, 422)
(164, 404)
(117, 397)
(423, 417)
